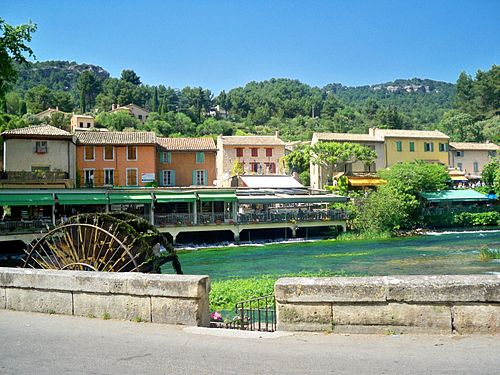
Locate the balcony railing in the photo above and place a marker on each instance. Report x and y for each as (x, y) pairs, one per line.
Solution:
(25, 226)
(33, 176)
(252, 218)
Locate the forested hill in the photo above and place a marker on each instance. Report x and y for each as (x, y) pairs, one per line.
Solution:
(55, 75)
(467, 111)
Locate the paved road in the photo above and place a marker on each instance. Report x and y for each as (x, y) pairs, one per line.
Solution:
(53, 344)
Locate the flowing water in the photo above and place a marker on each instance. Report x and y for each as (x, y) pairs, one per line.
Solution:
(439, 253)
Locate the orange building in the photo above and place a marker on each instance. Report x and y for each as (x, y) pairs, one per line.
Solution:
(115, 158)
(186, 161)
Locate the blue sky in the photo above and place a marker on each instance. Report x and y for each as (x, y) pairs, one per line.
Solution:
(225, 44)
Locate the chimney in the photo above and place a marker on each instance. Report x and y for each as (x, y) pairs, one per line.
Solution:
(113, 106)
(276, 134)
(57, 108)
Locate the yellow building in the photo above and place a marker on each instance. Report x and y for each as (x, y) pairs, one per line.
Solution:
(407, 145)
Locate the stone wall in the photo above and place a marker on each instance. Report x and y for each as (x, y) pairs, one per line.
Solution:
(171, 299)
(406, 304)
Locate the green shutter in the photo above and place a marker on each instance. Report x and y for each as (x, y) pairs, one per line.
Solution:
(194, 177)
(205, 172)
(399, 146)
(169, 157)
(432, 146)
(412, 146)
(200, 157)
(172, 177)
(161, 157)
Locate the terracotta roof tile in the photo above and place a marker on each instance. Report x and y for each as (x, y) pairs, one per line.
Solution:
(187, 144)
(115, 138)
(346, 137)
(382, 133)
(252, 140)
(43, 130)
(474, 146)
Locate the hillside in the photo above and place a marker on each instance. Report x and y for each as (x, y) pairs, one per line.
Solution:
(55, 75)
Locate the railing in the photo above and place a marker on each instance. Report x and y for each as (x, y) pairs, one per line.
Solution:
(28, 226)
(258, 314)
(455, 210)
(33, 176)
(174, 219)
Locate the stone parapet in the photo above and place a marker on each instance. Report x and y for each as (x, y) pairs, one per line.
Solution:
(405, 304)
(172, 299)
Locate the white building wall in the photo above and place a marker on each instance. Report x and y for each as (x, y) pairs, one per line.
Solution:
(481, 157)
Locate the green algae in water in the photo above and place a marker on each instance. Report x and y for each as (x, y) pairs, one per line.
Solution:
(451, 253)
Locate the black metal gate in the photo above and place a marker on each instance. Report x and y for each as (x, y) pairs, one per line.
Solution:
(257, 314)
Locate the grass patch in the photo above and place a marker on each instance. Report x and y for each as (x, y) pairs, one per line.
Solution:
(486, 254)
(106, 316)
(225, 294)
(351, 236)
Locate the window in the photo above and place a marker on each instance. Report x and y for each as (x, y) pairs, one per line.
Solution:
(200, 157)
(239, 152)
(459, 154)
(429, 147)
(88, 124)
(41, 147)
(459, 166)
(476, 166)
(140, 117)
(492, 154)
(131, 152)
(168, 178)
(88, 177)
(443, 147)
(132, 177)
(166, 157)
(269, 152)
(109, 153)
(200, 177)
(89, 153)
(270, 168)
(109, 177)
(255, 167)
(412, 146)
(255, 152)
(399, 146)
(81, 124)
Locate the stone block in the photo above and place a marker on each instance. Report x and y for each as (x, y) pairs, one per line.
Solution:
(444, 288)
(179, 311)
(428, 318)
(331, 289)
(113, 306)
(184, 286)
(46, 301)
(304, 317)
(469, 319)
(2, 299)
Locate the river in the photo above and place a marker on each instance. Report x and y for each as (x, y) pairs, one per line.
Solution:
(431, 254)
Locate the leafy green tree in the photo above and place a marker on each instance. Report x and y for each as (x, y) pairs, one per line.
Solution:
(119, 121)
(490, 129)
(15, 105)
(464, 95)
(331, 155)
(460, 127)
(490, 171)
(39, 98)
(88, 87)
(413, 177)
(130, 76)
(13, 48)
(487, 91)
(237, 169)
(298, 160)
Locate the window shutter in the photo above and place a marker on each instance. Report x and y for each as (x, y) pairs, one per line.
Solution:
(172, 178)
(194, 177)
(161, 158)
(432, 146)
(205, 172)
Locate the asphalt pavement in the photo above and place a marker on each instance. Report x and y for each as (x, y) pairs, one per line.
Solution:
(32, 343)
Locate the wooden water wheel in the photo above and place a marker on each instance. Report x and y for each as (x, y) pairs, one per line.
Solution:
(114, 242)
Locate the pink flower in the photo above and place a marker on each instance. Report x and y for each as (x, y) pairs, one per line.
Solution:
(216, 316)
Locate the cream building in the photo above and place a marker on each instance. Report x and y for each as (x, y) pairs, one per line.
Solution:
(134, 110)
(471, 157)
(81, 122)
(258, 155)
(40, 152)
(319, 174)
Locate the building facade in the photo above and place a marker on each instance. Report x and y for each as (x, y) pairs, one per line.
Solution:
(115, 158)
(471, 158)
(134, 110)
(36, 155)
(257, 155)
(319, 174)
(186, 161)
(81, 122)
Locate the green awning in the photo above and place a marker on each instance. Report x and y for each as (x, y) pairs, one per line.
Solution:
(125, 198)
(454, 196)
(217, 197)
(169, 197)
(35, 199)
(82, 198)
